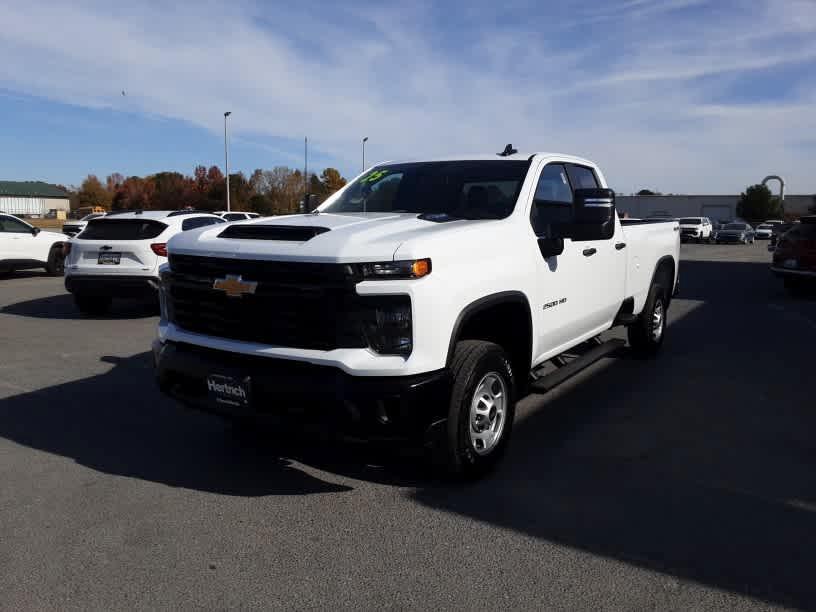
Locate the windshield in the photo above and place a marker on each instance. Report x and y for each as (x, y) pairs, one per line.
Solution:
(691, 221)
(764, 226)
(92, 216)
(735, 226)
(461, 189)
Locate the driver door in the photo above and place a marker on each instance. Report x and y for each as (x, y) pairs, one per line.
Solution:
(561, 280)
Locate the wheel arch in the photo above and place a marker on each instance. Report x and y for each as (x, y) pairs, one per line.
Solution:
(516, 336)
(668, 267)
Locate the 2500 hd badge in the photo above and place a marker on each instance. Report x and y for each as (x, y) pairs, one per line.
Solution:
(554, 303)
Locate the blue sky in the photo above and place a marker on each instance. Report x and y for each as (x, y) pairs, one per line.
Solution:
(684, 96)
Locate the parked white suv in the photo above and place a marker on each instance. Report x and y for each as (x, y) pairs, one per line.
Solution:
(118, 255)
(23, 247)
(695, 228)
(423, 299)
(237, 215)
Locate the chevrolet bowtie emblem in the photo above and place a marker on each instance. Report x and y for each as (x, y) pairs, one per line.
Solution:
(233, 286)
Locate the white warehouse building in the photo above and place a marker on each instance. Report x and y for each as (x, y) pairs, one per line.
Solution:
(715, 207)
(31, 198)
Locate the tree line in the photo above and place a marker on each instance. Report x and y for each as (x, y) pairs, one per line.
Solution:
(278, 191)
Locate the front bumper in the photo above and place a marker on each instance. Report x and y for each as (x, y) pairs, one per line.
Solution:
(369, 407)
(111, 285)
(793, 272)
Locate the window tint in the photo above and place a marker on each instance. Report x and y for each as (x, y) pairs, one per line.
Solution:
(581, 178)
(13, 226)
(552, 202)
(195, 222)
(234, 217)
(121, 229)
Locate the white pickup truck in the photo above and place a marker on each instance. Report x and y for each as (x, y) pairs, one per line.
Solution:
(422, 301)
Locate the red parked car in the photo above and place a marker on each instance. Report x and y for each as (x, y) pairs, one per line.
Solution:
(794, 258)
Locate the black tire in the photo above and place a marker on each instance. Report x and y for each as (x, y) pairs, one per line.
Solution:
(92, 304)
(56, 262)
(645, 339)
(474, 361)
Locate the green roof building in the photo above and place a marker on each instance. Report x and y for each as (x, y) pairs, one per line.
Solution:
(31, 198)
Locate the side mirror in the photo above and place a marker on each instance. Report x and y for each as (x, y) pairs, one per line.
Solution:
(35, 231)
(550, 247)
(594, 214)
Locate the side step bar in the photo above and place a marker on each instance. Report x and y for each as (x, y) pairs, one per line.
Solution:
(553, 379)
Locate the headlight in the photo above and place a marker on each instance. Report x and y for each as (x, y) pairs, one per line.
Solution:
(387, 324)
(395, 269)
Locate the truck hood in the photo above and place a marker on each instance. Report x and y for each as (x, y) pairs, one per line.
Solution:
(330, 238)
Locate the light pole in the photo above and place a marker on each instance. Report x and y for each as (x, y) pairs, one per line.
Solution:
(364, 141)
(226, 156)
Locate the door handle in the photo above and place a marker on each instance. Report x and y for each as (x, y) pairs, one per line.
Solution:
(620, 245)
(590, 252)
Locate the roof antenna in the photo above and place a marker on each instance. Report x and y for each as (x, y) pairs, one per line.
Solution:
(508, 151)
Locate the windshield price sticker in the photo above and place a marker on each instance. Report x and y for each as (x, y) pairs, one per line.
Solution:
(375, 176)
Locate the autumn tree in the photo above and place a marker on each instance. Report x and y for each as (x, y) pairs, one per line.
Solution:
(172, 190)
(93, 193)
(332, 180)
(135, 193)
(240, 191)
(113, 182)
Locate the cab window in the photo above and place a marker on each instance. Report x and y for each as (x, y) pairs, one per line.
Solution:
(581, 177)
(11, 225)
(552, 203)
(195, 222)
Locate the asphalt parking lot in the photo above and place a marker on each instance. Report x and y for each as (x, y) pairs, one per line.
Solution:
(682, 483)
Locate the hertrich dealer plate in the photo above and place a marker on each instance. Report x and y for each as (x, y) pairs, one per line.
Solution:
(229, 391)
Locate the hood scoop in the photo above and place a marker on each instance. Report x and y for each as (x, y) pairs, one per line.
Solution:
(288, 233)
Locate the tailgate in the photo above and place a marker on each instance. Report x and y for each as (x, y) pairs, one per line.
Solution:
(120, 246)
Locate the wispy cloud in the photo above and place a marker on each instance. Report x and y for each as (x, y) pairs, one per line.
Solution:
(643, 87)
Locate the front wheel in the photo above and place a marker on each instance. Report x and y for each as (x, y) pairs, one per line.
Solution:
(647, 333)
(480, 411)
(56, 262)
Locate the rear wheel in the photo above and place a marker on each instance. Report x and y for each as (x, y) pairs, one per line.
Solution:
(92, 304)
(647, 333)
(56, 262)
(480, 412)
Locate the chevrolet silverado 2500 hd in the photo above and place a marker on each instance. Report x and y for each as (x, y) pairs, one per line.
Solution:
(422, 299)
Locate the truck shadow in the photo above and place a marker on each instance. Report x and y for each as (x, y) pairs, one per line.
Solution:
(699, 465)
(62, 307)
(118, 423)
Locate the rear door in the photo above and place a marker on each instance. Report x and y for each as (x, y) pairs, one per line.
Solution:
(117, 246)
